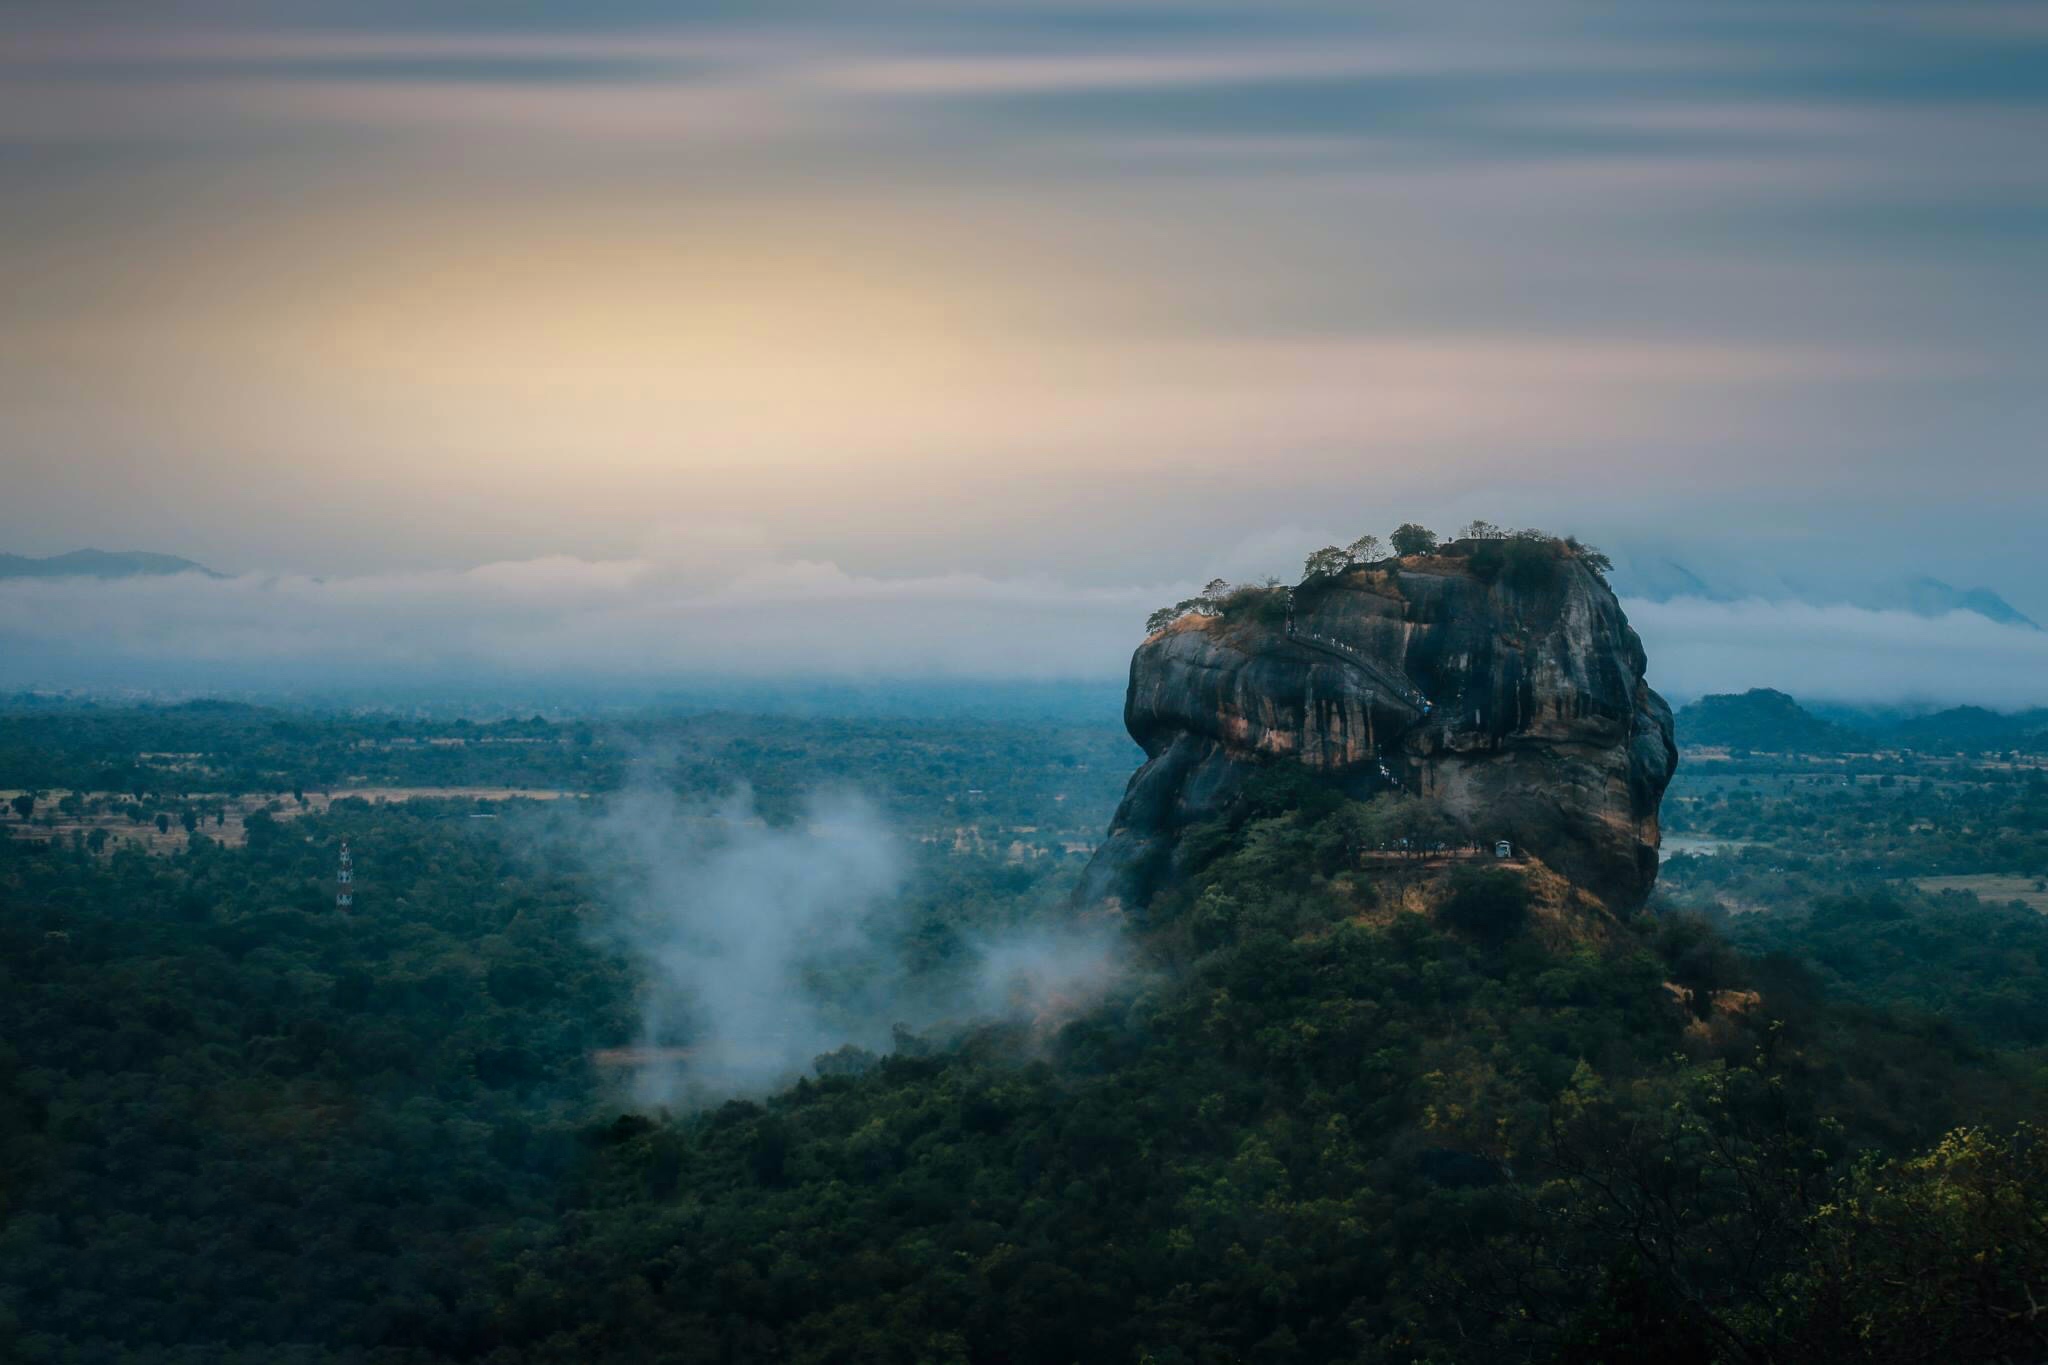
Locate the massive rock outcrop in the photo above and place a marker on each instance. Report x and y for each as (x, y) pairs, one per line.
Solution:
(1503, 683)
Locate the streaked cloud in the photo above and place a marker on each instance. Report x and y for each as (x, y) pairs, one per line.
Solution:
(716, 607)
(323, 287)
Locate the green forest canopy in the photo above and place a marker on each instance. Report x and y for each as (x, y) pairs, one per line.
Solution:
(1312, 1126)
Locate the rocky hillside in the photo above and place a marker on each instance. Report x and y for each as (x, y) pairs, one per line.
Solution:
(1500, 681)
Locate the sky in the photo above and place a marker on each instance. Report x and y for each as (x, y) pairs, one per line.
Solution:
(1038, 310)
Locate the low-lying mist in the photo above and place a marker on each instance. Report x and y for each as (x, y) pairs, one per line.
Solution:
(741, 612)
(1840, 653)
(763, 947)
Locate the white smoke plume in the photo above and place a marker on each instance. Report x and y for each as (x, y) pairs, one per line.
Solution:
(761, 948)
(1047, 974)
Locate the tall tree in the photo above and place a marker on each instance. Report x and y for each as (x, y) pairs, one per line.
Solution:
(1328, 560)
(1412, 539)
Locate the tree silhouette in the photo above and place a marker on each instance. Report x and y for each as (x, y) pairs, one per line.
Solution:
(1365, 549)
(1328, 560)
(1412, 539)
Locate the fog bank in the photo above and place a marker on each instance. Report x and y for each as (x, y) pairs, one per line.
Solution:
(1840, 653)
(713, 609)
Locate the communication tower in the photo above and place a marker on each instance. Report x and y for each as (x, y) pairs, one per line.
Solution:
(345, 881)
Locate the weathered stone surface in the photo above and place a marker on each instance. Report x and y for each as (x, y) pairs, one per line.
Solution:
(1541, 728)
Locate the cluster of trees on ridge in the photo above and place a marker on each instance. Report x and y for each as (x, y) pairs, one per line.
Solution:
(1525, 556)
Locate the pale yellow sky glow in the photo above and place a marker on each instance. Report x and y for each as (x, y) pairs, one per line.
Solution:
(928, 295)
(573, 362)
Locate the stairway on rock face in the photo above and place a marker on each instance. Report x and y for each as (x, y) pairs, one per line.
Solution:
(1399, 688)
(1402, 690)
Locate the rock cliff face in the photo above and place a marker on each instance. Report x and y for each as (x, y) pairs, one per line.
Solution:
(1513, 698)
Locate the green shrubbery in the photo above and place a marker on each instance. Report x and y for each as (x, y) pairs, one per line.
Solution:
(1525, 560)
(1521, 562)
(1261, 603)
(1488, 903)
(1297, 1138)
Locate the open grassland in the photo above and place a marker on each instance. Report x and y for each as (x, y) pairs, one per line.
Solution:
(1992, 888)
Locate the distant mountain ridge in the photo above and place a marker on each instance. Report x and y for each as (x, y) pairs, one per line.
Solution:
(1660, 578)
(1972, 729)
(100, 564)
(1773, 722)
(1932, 597)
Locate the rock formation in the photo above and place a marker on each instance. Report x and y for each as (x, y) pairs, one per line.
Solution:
(1503, 683)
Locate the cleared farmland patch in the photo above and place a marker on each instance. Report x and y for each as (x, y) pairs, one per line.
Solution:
(1995, 888)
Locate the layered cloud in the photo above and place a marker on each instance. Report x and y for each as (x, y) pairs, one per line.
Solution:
(727, 607)
(1841, 653)
(335, 286)
(721, 608)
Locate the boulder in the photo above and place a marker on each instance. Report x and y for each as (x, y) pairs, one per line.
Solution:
(1510, 693)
